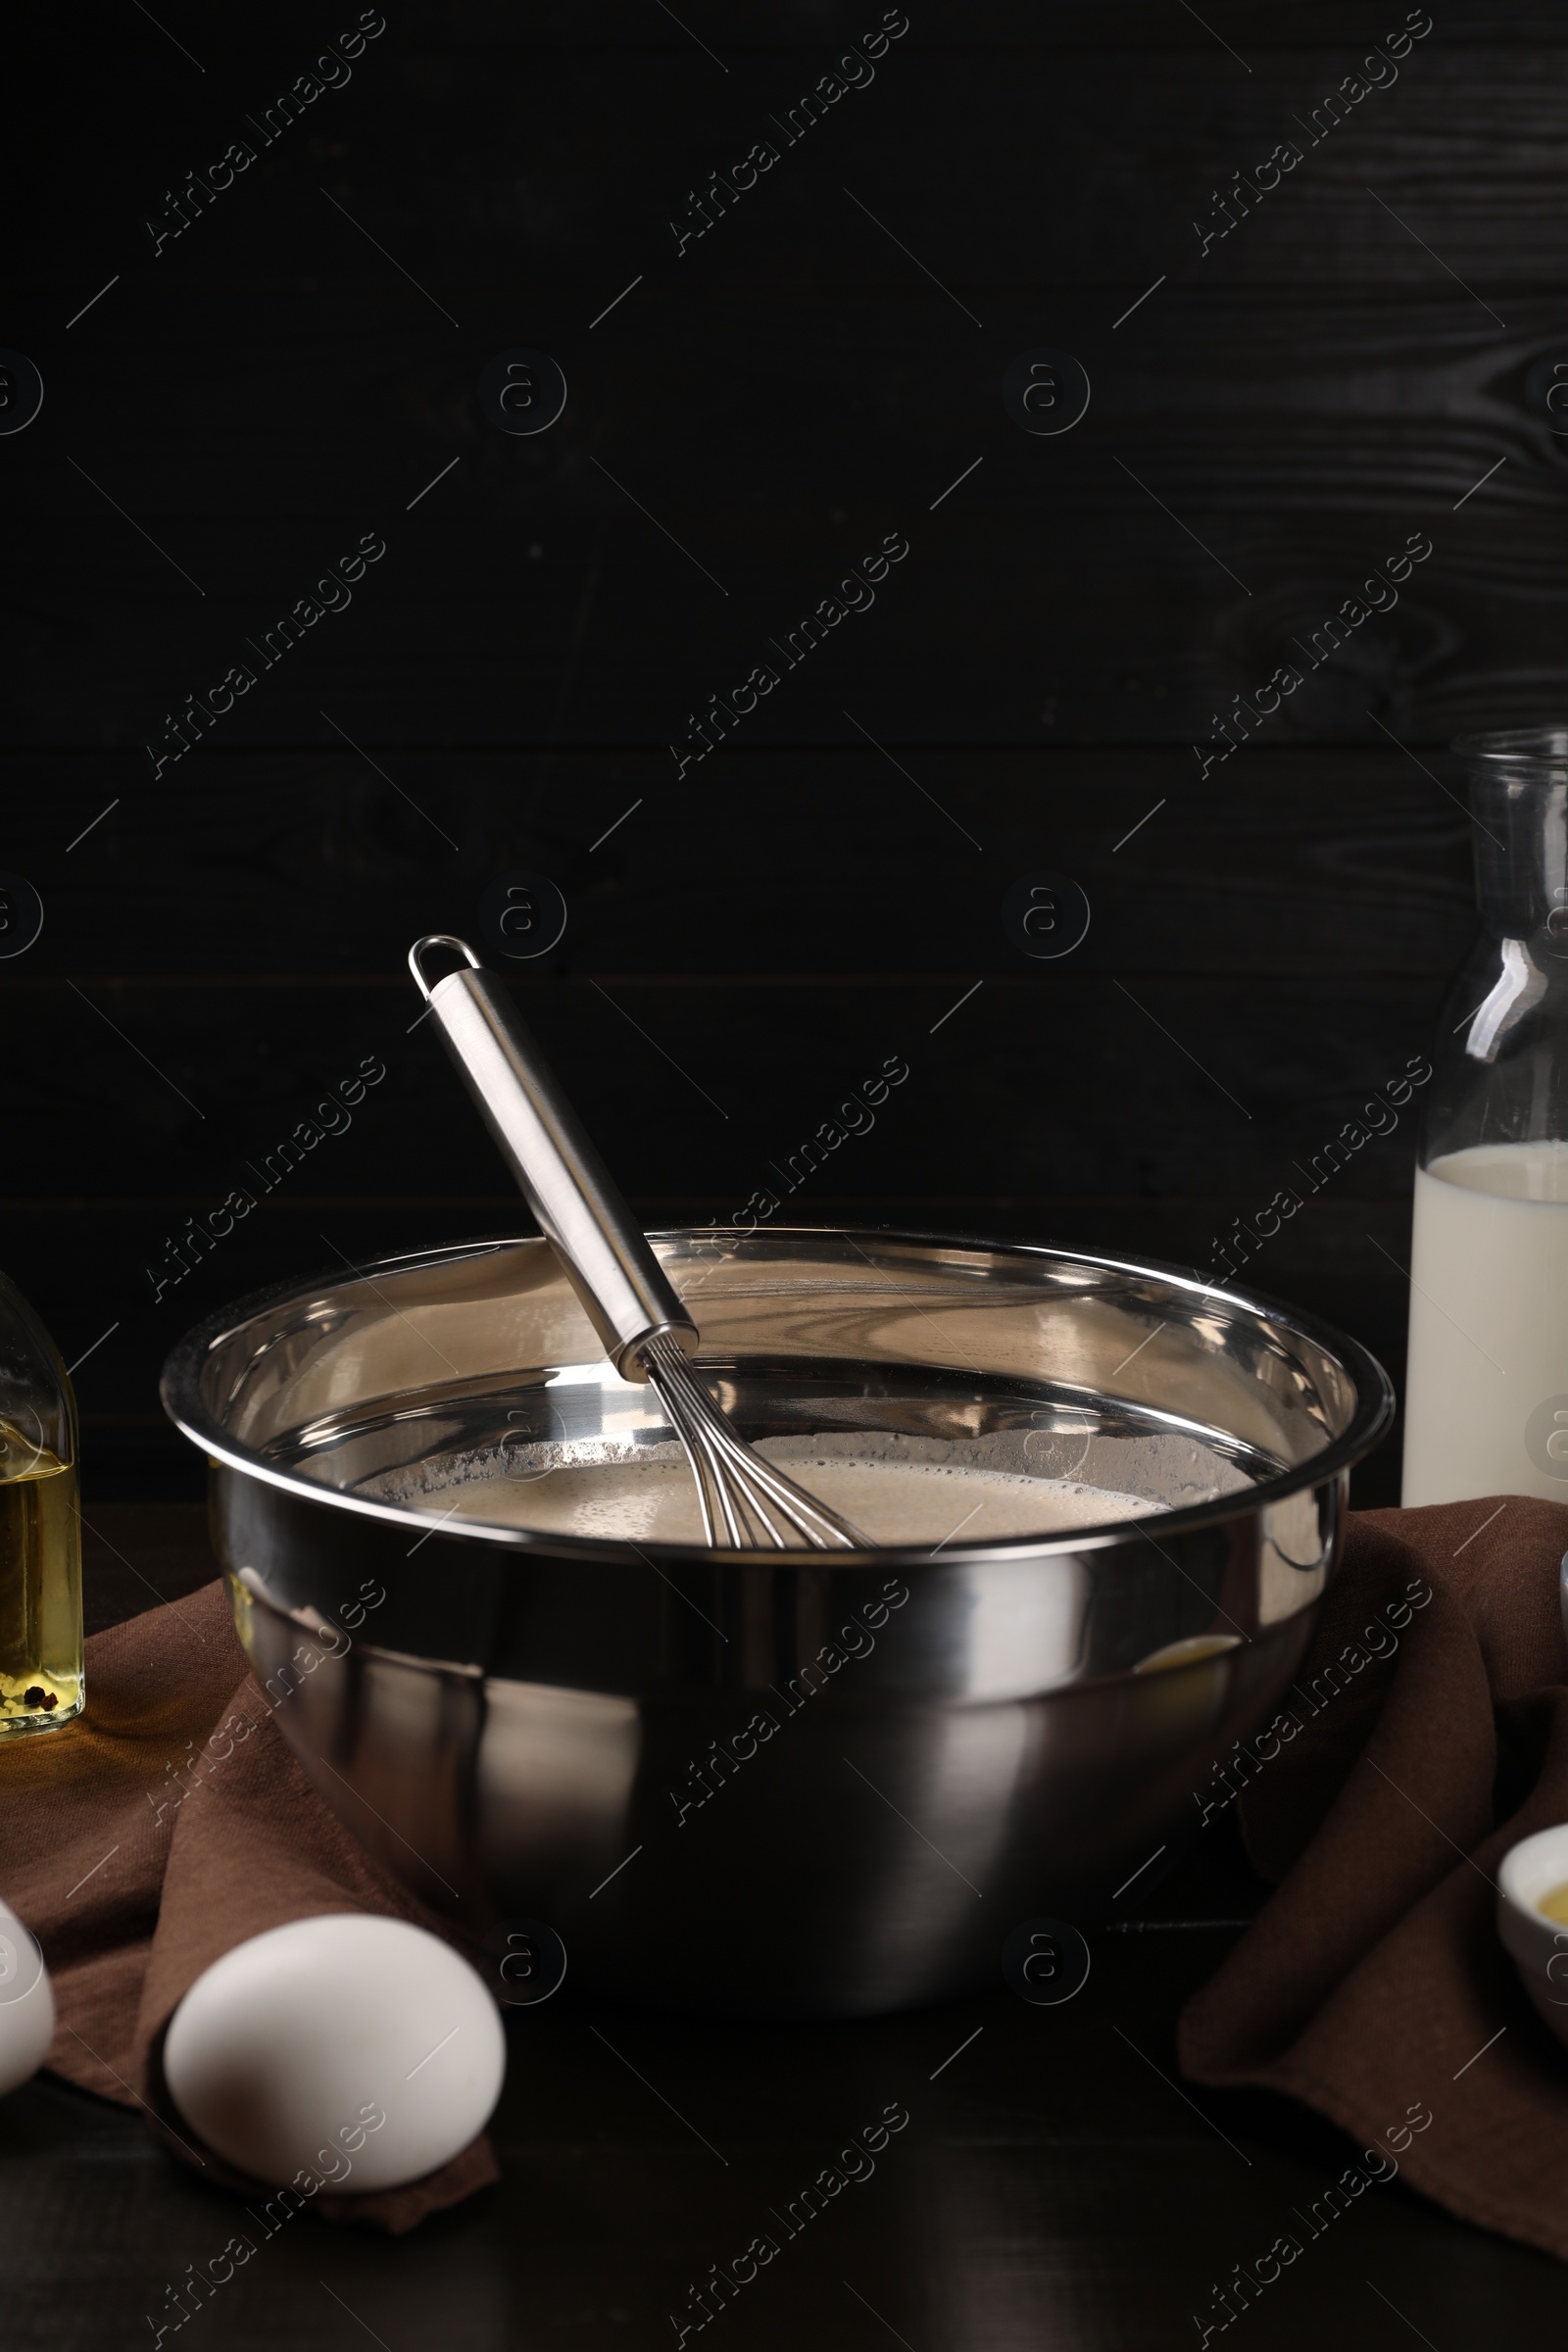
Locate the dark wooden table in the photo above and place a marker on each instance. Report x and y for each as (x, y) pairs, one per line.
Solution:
(1056, 2189)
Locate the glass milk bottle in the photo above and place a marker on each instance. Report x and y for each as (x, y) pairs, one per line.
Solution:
(40, 1540)
(1486, 1385)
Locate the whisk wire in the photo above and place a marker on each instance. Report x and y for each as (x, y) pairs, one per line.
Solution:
(751, 1495)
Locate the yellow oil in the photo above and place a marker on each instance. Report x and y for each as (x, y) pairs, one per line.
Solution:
(40, 1586)
(1556, 1905)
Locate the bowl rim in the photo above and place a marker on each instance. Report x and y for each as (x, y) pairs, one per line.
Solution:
(179, 1390)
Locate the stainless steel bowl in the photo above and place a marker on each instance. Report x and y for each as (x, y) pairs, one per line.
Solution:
(784, 1782)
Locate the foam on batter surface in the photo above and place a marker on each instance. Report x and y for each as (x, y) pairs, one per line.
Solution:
(654, 1502)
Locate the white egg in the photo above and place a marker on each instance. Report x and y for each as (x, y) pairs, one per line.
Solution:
(26, 2003)
(361, 2050)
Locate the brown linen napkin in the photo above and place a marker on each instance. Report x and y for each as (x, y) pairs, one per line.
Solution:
(1433, 1734)
(161, 1828)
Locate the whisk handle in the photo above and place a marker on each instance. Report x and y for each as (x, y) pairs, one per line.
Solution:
(603, 1249)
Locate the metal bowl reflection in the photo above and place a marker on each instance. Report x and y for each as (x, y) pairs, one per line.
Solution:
(784, 1782)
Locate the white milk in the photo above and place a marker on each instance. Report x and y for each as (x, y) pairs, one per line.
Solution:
(890, 1503)
(1486, 1395)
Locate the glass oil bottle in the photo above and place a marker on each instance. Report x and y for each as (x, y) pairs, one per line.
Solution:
(41, 1536)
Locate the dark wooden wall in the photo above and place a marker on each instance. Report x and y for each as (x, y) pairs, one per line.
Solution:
(804, 379)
